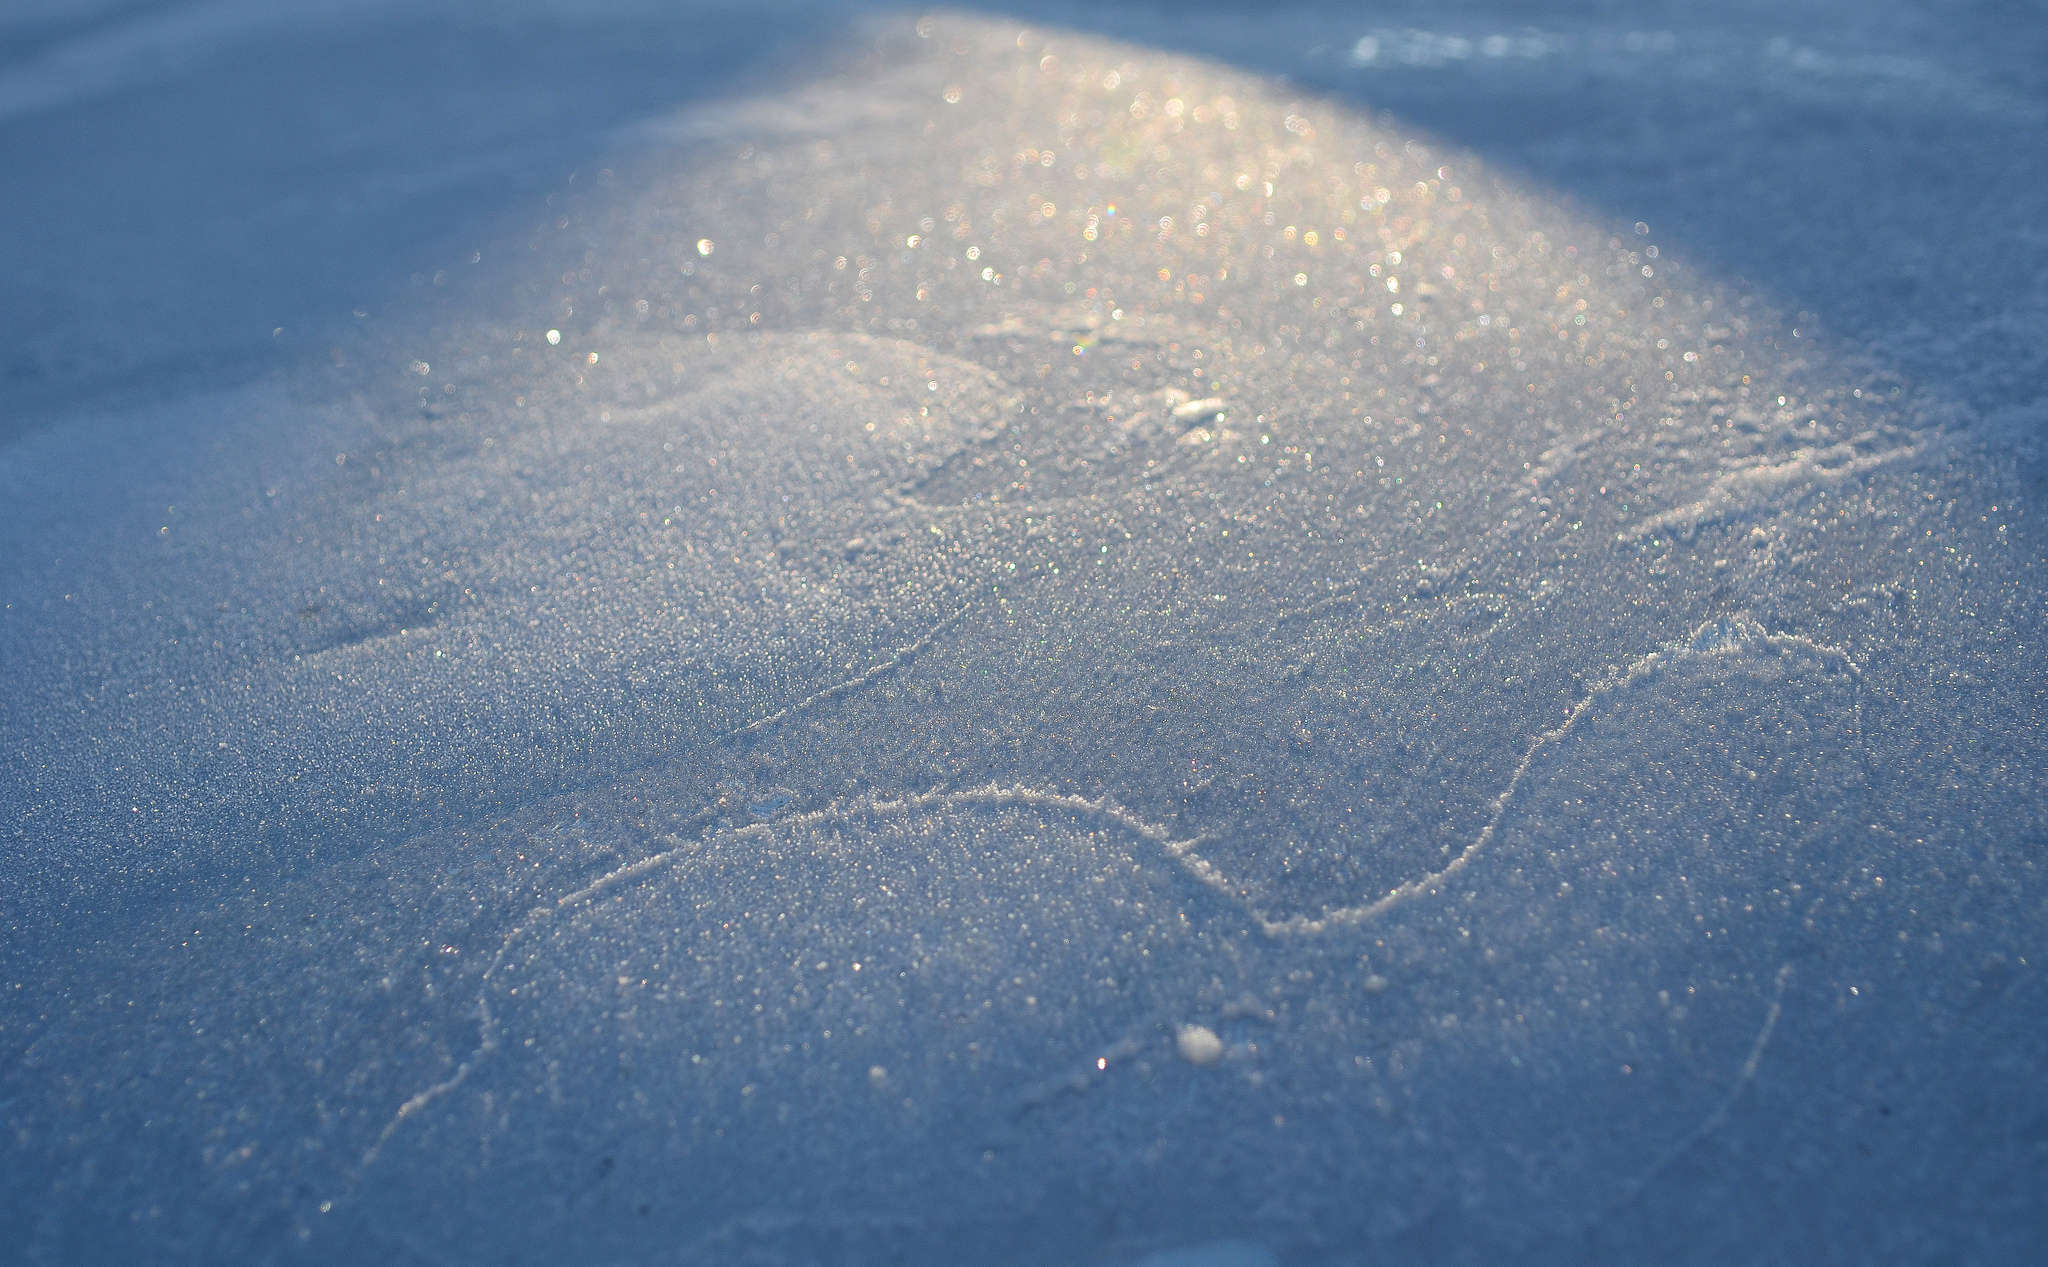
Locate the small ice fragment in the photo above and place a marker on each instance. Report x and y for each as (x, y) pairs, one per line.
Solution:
(1195, 411)
(1198, 1044)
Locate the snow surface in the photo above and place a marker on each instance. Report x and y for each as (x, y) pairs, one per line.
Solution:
(1170, 636)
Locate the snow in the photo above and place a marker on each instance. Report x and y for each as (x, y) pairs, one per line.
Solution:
(1160, 636)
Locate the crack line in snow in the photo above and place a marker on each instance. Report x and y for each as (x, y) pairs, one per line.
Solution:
(1744, 488)
(1730, 635)
(1719, 1117)
(903, 656)
(488, 1034)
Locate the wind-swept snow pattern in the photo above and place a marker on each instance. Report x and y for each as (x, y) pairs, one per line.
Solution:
(989, 644)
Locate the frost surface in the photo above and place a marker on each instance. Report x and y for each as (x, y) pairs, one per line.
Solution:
(950, 641)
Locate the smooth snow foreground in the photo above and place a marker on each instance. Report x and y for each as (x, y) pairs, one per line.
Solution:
(1026, 650)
